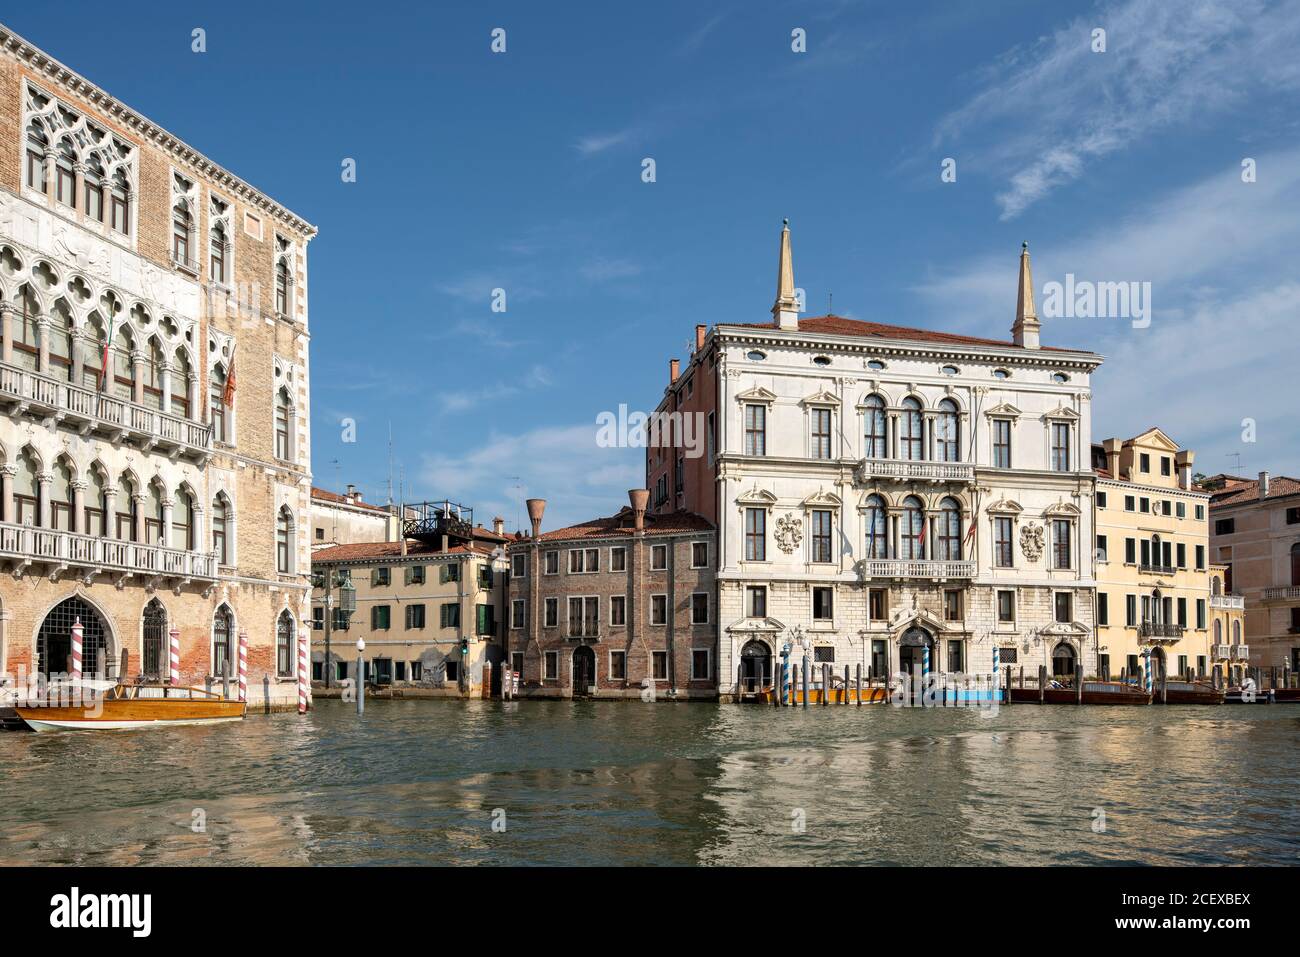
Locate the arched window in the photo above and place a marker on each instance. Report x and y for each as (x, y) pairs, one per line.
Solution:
(153, 361)
(26, 344)
(93, 178)
(1218, 632)
(283, 541)
(911, 530)
(217, 254)
(1215, 587)
(54, 640)
(93, 520)
(282, 424)
(126, 508)
(873, 427)
(36, 145)
(61, 497)
(911, 444)
(1295, 565)
(123, 367)
(93, 356)
(65, 174)
(27, 505)
(285, 656)
(183, 520)
(219, 530)
(181, 226)
(948, 534)
(60, 331)
(877, 530)
(223, 634)
(153, 516)
(217, 404)
(947, 435)
(282, 287)
(180, 384)
(155, 639)
(120, 205)
(1236, 632)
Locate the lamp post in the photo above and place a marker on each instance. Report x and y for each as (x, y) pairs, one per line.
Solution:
(361, 676)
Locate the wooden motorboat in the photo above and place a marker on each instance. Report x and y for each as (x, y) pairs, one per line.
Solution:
(1094, 692)
(127, 706)
(1188, 692)
(1286, 695)
(1238, 695)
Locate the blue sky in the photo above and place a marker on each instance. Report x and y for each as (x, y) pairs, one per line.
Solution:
(522, 170)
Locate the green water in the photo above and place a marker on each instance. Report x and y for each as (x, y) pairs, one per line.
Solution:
(421, 782)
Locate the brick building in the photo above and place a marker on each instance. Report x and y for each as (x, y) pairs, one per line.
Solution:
(618, 607)
(136, 497)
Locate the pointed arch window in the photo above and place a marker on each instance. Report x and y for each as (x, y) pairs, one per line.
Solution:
(223, 633)
(873, 428)
(94, 520)
(65, 175)
(182, 223)
(947, 434)
(119, 205)
(877, 531)
(36, 146)
(285, 659)
(27, 506)
(183, 521)
(911, 530)
(155, 632)
(217, 404)
(153, 516)
(282, 425)
(93, 189)
(180, 384)
(217, 254)
(283, 542)
(61, 510)
(948, 533)
(282, 287)
(126, 509)
(220, 530)
(911, 444)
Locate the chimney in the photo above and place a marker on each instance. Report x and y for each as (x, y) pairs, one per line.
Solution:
(1113, 447)
(1025, 330)
(402, 539)
(536, 506)
(499, 525)
(674, 369)
(1263, 486)
(786, 308)
(352, 492)
(1183, 460)
(700, 330)
(639, 497)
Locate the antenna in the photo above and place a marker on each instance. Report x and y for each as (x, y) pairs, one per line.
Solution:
(519, 514)
(830, 304)
(1237, 456)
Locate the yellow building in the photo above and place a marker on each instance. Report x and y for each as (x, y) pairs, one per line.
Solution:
(1154, 580)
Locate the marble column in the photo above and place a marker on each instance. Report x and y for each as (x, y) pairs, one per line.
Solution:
(7, 473)
(79, 508)
(168, 506)
(137, 377)
(7, 312)
(137, 530)
(165, 380)
(192, 393)
(43, 482)
(196, 528)
(110, 512)
(78, 346)
(43, 333)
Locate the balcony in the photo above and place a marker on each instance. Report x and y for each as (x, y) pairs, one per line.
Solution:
(1229, 602)
(47, 546)
(1160, 630)
(89, 412)
(1156, 569)
(908, 470)
(1282, 593)
(905, 568)
(1240, 652)
(1221, 652)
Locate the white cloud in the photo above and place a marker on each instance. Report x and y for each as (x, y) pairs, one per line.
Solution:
(1045, 112)
(602, 269)
(594, 143)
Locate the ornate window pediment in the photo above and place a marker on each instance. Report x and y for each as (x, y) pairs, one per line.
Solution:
(820, 398)
(1004, 506)
(758, 394)
(1061, 510)
(1004, 410)
(753, 625)
(1062, 412)
(757, 496)
(822, 499)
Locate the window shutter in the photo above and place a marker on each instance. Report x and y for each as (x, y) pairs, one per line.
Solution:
(408, 574)
(374, 617)
(444, 573)
(374, 577)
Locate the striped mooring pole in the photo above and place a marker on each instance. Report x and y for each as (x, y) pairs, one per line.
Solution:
(303, 678)
(925, 671)
(785, 678)
(243, 666)
(77, 634)
(1146, 671)
(997, 662)
(174, 656)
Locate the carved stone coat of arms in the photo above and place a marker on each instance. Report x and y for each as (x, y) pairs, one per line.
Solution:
(789, 532)
(1031, 541)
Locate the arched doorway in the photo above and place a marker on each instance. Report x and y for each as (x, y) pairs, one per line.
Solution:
(755, 666)
(54, 640)
(911, 657)
(1064, 662)
(584, 670)
(155, 634)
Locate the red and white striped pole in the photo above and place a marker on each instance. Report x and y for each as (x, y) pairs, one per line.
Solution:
(243, 666)
(303, 677)
(174, 656)
(76, 649)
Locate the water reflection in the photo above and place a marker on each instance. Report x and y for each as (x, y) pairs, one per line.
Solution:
(624, 783)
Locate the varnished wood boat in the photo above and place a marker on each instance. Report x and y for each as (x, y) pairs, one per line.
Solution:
(1188, 692)
(1286, 695)
(1094, 692)
(128, 706)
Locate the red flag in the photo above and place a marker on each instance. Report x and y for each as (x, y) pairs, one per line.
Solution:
(228, 394)
(920, 537)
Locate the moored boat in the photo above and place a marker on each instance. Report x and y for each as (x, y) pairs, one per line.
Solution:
(1094, 692)
(128, 706)
(1189, 692)
(1286, 695)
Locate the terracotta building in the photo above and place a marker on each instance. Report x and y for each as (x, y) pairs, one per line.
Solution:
(618, 607)
(1255, 534)
(169, 486)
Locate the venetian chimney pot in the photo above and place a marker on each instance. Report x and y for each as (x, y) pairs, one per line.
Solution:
(1113, 448)
(1263, 485)
(700, 330)
(536, 507)
(674, 370)
(1184, 460)
(499, 525)
(640, 498)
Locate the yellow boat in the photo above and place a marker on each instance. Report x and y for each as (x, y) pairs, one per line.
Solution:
(128, 706)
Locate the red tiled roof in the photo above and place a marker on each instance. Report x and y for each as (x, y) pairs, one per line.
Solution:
(327, 496)
(1247, 491)
(840, 326)
(620, 525)
(365, 551)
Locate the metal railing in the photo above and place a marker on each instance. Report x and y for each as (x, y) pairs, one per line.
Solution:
(1156, 568)
(1240, 652)
(907, 568)
(1159, 629)
(1227, 601)
(103, 413)
(1221, 652)
(905, 469)
(53, 546)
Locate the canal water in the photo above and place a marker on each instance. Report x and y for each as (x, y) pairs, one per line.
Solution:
(424, 782)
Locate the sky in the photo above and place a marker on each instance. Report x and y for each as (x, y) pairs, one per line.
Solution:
(1166, 151)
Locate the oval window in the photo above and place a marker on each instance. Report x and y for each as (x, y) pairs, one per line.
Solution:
(950, 370)
(756, 356)
(1060, 377)
(821, 361)
(1001, 374)
(875, 364)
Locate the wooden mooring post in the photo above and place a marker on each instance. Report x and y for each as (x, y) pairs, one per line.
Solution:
(225, 679)
(859, 682)
(806, 668)
(1008, 694)
(826, 684)
(1042, 683)
(845, 699)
